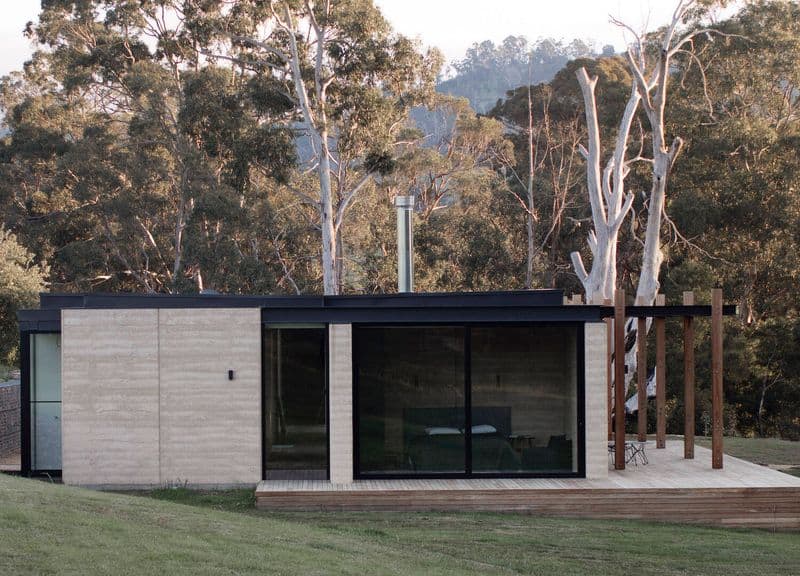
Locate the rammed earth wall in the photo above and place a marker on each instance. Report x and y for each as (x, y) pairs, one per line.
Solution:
(147, 399)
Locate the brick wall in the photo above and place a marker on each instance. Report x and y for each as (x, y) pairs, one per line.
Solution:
(9, 418)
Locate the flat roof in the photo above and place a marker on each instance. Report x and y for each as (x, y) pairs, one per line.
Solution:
(404, 308)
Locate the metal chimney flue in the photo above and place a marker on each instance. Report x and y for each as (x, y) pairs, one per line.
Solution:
(405, 243)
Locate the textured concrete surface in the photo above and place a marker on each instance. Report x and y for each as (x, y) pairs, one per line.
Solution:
(596, 401)
(147, 400)
(341, 403)
(109, 380)
(210, 426)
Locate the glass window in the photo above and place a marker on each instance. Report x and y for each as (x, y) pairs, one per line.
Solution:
(45, 401)
(410, 399)
(524, 399)
(295, 403)
(413, 397)
(46, 432)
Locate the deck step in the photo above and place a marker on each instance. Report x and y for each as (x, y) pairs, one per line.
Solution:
(753, 507)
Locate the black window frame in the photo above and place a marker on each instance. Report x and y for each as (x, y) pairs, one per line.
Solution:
(469, 473)
(326, 361)
(25, 444)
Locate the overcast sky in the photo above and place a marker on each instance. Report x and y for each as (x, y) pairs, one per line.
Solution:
(452, 25)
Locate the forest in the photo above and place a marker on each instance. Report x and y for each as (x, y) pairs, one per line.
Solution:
(177, 146)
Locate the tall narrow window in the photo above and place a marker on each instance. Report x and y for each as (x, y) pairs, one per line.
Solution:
(45, 402)
(295, 403)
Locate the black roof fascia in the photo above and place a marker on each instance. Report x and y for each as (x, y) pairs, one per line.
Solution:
(464, 307)
(136, 301)
(39, 320)
(533, 305)
(678, 311)
(432, 315)
(406, 300)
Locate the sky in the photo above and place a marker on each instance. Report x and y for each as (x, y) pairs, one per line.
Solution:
(451, 25)
(454, 25)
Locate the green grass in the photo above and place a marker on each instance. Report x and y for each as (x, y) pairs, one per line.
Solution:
(767, 451)
(794, 471)
(52, 529)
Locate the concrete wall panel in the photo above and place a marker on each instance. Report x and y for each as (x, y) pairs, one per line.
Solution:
(109, 379)
(147, 400)
(210, 425)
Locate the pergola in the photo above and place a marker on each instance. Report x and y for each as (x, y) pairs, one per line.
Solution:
(616, 317)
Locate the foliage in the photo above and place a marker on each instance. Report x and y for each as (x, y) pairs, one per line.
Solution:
(162, 146)
(736, 205)
(488, 71)
(21, 280)
(559, 194)
(129, 164)
(351, 83)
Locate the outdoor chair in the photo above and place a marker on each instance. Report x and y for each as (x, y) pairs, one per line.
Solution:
(635, 452)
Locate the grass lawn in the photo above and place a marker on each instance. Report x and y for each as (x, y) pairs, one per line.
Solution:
(768, 451)
(53, 529)
(794, 471)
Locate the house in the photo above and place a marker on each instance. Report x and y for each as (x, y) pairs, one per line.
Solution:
(481, 401)
(130, 390)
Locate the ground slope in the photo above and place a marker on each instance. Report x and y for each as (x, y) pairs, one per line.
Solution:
(52, 529)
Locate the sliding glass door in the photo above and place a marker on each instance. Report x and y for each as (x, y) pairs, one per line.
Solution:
(524, 400)
(411, 399)
(467, 400)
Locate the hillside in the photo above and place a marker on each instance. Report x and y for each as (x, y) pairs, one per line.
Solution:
(488, 71)
(52, 529)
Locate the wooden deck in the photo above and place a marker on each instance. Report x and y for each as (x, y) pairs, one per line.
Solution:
(669, 488)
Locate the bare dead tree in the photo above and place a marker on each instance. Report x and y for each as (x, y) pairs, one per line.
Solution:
(651, 77)
(609, 201)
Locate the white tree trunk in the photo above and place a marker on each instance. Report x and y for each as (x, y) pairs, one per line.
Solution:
(531, 224)
(653, 92)
(318, 132)
(609, 201)
(330, 284)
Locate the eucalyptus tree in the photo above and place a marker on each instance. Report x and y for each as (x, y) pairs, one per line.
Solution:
(736, 199)
(449, 164)
(609, 200)
(155, 151)
(454, 170)
(351, 82)
(549, 122)
(21, 280)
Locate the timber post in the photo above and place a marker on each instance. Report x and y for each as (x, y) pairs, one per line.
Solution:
(641, 378)
(661, 380)
(716, 378)
(688, 379)
(619, 380)
(609, 369)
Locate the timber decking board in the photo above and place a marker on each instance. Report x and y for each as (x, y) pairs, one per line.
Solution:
(667, 469)
(668, 489)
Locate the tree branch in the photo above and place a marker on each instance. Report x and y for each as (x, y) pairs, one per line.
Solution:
(580, 269)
